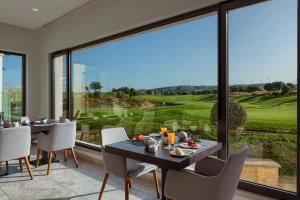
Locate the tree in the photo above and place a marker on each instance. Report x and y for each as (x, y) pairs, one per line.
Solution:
(291, 85)
(237, 115)
(285, 89)
(268, 86)
(96, 86)
(277, 85)
(252, 88)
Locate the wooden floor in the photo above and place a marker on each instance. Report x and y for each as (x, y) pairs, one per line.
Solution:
(68, 182)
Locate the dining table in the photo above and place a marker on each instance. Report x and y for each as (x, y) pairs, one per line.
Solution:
(162, 157)
(37, 129)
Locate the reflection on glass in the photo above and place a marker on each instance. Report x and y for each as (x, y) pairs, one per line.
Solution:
(263, 92)
(164, 78)
(11, 86)
(60, 86)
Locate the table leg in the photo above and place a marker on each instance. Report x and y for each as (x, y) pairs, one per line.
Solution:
(164, 172)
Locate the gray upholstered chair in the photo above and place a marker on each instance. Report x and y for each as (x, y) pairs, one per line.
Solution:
(61, 137)
(212, 179)
(15, 144)
(120, 166)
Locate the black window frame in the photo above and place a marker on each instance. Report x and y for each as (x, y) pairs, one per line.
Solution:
(221, 9)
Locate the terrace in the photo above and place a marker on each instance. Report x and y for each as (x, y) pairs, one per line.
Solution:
(129, 91)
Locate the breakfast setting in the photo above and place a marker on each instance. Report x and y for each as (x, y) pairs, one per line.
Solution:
(179, 144)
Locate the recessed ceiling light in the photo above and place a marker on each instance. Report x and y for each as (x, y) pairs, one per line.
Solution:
(35, 9)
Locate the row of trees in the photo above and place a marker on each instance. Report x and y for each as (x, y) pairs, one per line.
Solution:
(283, 88)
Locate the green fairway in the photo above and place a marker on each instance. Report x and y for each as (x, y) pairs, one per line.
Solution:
(263, 114)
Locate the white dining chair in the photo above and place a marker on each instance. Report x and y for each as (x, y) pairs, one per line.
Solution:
(15, 145)
(61, 137)
(213, 179)
(120, 166)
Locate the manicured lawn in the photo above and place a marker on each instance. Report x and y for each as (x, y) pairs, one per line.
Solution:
(271, 122)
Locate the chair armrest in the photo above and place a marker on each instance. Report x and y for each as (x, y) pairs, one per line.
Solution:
(182, 185)
(114, 164)
(209, 166)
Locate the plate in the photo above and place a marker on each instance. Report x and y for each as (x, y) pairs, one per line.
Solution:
(187, 146)
(154, 135)
(186, 153)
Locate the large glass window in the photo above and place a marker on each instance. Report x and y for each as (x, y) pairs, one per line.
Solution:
(263, 90)
(11, 79)
(166, 77)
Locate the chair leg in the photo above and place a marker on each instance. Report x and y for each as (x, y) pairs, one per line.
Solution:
(103, 186)
(28, 167)
(156, 184)
(49, 163)
(20, 165)
(65, 155)
(127, 189)
(38, 157)
(74, 157)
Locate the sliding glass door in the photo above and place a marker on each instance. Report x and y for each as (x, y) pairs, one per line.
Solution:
(12, 101)
(262, 106)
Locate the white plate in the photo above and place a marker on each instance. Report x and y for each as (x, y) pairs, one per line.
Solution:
(186, 153)
(154, 135)
(187, 146)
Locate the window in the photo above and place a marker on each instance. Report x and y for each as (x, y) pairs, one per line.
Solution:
(173, 76)
(167, 77)
(11, 85)
(263, 90)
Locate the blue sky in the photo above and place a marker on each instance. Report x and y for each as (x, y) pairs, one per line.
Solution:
(12, 74)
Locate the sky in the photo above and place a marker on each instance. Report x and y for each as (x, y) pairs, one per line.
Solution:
(262, 48)
(12, 74)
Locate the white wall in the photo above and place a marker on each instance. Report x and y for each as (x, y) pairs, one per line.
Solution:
(26, 41)
(101, 18)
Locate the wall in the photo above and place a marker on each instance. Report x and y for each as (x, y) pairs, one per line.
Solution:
(26, 41)
(101, 18)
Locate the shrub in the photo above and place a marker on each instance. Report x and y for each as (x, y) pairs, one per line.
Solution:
(237, 115)
(282, 148)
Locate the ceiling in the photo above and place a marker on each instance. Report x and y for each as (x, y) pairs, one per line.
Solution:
(20, 13)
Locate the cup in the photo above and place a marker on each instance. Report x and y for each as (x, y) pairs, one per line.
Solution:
(6, 124)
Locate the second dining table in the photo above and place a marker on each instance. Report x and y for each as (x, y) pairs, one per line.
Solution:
(38, 129)
(162, 157)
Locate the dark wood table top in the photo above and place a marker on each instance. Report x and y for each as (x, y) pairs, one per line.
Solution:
(40, 128)
(162, 157)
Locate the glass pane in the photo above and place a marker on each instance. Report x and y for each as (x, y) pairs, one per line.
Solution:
(263, 90)
(60, 86)
(11, 86)
(163, 78)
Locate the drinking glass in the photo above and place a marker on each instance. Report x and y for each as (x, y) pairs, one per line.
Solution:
(163, 130)
(171, 140)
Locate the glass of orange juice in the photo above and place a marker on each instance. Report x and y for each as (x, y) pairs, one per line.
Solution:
(171, 140)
